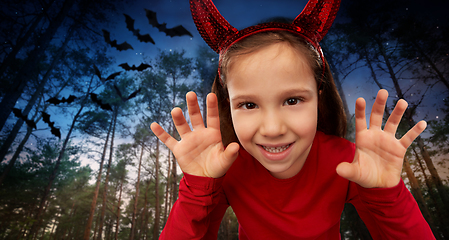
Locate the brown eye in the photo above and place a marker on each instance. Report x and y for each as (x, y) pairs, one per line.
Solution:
(292, 101)
(249, 105)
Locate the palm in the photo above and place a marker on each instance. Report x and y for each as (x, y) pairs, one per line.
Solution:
(198, 155)
(379, 155)
(200, 152)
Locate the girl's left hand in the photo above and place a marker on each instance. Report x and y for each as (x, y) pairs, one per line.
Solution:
(379, 155)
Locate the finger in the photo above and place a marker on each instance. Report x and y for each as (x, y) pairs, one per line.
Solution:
(213, 119)
(160, 133)
(360, 119)
(413, 133)
(348, 171)
(395, 118)
(194, 110)
(180, 121)
(377, 112)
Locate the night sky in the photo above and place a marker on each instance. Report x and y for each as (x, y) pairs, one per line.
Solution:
(240, 14)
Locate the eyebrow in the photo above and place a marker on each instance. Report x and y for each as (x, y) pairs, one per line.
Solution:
(298, 91)
(288, 92)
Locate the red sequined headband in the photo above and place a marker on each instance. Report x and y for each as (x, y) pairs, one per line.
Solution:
(312, 24)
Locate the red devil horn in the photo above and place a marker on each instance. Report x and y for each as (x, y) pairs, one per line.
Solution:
(317, 17)
(312, 23)
(210, 23)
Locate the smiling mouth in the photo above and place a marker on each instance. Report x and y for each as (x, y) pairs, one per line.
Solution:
(276, 149)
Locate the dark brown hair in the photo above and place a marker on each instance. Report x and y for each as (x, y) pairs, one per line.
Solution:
(331, 115)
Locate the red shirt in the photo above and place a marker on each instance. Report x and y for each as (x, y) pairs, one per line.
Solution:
(306, 206)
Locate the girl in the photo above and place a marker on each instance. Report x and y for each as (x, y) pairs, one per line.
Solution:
(273, 149)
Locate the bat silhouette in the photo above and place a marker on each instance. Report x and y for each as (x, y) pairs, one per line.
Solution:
(140, 68)
(56, 101)
(104, 106)
(131, 96)
(98, 73)
(136, 32)
(18, 113)
(172, 32)
(121, 47)
(55, 131)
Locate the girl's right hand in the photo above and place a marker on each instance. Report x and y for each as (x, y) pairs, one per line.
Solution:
(199, 152)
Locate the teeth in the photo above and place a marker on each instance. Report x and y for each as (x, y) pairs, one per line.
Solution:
(276, 149)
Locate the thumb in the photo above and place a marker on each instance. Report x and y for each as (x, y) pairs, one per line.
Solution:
(231, 153)
(348, 171)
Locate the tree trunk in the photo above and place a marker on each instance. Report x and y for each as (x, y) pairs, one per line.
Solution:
(419, 197)
(136, 197)
(174, 133)
(143, 226)
(118, 209)
(426, 179)
(167, 188)
(174, 181)
(106, 181)
(97, 187)
(438, 212)
(96, 227)
(170, 200)
(28, 70)
(433, 171)
(156, 194)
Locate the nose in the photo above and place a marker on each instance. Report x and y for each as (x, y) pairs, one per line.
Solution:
(272, 124)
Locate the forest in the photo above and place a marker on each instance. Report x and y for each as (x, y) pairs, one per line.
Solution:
(79, 161)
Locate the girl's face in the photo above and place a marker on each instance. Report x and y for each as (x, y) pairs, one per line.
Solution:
(274, 101)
